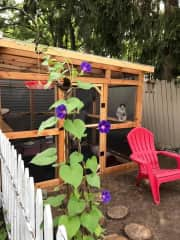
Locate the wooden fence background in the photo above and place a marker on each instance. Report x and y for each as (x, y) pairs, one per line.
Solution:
(161, 113)
(22, 204)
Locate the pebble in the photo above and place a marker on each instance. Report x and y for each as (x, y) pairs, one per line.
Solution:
(117, 212)
(137, 231)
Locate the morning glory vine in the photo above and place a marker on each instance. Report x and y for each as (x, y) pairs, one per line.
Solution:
(80, 205)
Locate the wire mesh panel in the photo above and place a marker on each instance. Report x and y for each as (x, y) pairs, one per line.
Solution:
(26, 107)
(121, 103)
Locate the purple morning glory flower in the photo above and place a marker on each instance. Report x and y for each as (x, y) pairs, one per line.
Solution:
(85, 67)
(61, 111)
(105, 196)
(104, 126)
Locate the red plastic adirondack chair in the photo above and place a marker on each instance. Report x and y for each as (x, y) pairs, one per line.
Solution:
(141, 142)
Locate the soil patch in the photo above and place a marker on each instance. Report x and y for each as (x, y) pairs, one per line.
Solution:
(162, 220)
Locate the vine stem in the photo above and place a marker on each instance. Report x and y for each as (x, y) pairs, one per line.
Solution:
(85, 186)
(79, 146)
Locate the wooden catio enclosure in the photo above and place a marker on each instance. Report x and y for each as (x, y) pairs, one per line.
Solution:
(114, 79)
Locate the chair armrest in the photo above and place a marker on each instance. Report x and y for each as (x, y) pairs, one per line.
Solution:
(169, 154)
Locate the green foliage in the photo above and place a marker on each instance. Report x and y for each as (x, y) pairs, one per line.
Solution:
(46, 157)
(57, 103)
(54, 76)
(72, 174)
(56, 69)
(93, 180)
(71, 104)
(50, 122)
(74, 103)
(90, 220)
(55, 201)
(75, 157)
(72, 224)
(3, 232)
(78, 205)
(88, 238)
(75, 206)
(92, 164)
(99, 230)
(85, 86)
(76, 127)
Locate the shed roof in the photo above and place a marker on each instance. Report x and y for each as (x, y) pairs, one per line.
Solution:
(68, 54)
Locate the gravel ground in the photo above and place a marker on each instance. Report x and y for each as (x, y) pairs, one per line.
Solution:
(162, 220)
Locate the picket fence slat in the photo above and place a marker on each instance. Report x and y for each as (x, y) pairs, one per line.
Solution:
(23, 207)
(61, 233)
(39, 214)
(48, 223)
(32, 204)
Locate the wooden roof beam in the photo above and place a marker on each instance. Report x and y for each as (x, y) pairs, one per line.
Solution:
(21, 76)
(67, 54)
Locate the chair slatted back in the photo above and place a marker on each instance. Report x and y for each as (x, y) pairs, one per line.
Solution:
(141, 142)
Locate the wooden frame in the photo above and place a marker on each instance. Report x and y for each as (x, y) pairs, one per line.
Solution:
(19, 62)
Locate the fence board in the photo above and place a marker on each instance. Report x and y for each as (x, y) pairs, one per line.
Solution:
(61, 233)
(39, 214)
(161, 113)
(22, 205)
(48, 223)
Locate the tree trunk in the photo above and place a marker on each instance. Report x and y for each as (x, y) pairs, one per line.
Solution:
(169, 61)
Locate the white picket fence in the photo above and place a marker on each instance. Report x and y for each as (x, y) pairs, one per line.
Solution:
(22, 204)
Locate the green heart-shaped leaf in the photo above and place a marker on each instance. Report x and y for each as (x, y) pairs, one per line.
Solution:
(54, 76)
(99, 231)
(46, 157)
(75, 206)
(93, 180)
(84, 85)
(72, 224)
(92, 164)
(50, 122)
(55, 201)
(77, 127)
(97, 210)
(90, 220)
(71, 104)
(74, 103)
(72, 174)
(75, 157)
(57, 103)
